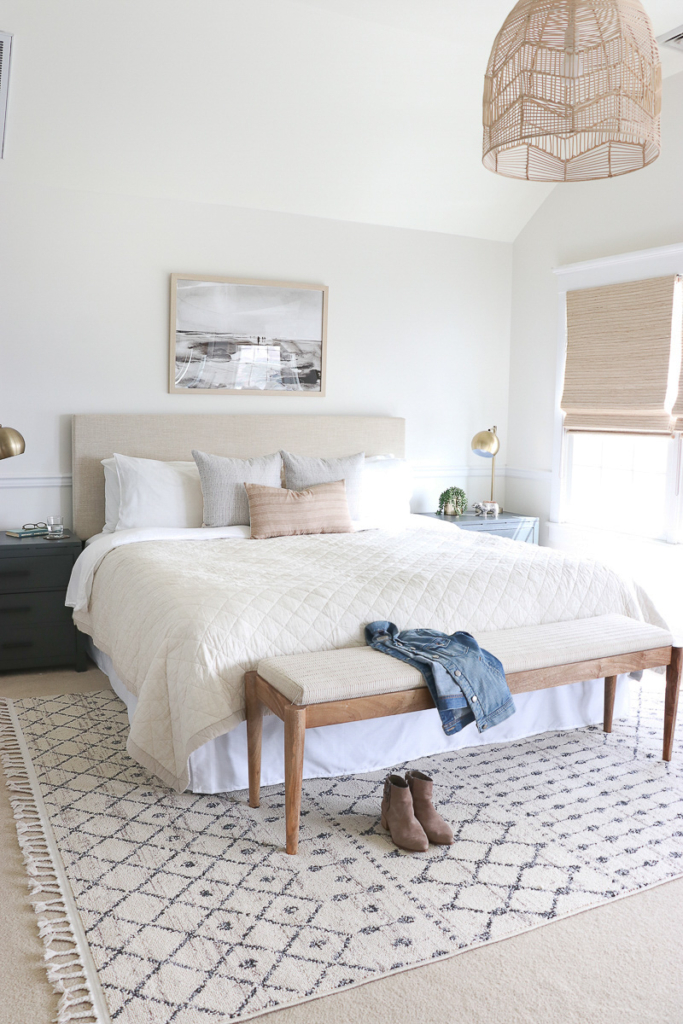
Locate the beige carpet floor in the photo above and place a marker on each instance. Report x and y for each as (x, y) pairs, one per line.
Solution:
(617, 964)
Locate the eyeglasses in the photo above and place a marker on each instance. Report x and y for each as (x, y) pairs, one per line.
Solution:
(34, 526)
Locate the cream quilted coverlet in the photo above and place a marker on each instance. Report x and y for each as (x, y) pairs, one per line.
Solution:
(182, 621)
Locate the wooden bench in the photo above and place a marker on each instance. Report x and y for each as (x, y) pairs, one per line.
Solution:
(329, 687)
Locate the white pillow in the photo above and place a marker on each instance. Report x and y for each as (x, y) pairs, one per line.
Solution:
(158, 493)
(386, 489)
(112, 495)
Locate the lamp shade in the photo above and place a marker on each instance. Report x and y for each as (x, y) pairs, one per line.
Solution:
(572, 91)
(486, 443)
(11, 442)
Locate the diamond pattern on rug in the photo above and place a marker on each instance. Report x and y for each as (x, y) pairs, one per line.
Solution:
(193, 910)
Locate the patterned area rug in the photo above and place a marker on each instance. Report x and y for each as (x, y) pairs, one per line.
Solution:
(192, 911)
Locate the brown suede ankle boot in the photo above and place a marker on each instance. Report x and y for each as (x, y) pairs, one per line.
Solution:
(398, 817)
(436, 828)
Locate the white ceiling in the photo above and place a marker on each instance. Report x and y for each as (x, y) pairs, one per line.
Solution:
(360, 110)
(449, 18)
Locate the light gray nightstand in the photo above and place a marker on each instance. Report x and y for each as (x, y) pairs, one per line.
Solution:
(507, 524)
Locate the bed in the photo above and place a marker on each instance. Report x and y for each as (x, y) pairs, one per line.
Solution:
(176, 617)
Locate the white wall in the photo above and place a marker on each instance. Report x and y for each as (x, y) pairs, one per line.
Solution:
(578, 221)
(418, 325)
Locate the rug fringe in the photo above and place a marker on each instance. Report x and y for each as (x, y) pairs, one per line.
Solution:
(66, 970)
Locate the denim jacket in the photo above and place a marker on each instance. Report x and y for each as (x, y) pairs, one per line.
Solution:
(467, 684)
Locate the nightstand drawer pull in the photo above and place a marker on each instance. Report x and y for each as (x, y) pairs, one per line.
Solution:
(24, 610)
(14, 644)
(13, 573)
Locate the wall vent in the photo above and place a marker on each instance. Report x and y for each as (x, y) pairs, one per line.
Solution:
(5, 52)
(673, 38)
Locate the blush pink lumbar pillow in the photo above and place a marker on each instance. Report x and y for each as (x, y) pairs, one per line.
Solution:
(277, 512)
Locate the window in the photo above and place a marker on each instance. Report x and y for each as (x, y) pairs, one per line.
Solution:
(626, 483)
(622, 400)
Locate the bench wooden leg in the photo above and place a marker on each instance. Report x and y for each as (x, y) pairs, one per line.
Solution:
(254, 737)
(295, 734)
(673, 685)
(610, 691)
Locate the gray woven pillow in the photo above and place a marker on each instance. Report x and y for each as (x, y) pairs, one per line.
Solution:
(302, 471)
(223, 480)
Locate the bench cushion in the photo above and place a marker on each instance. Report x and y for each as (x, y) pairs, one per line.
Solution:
(564, 643)
(338, 675)
(362, 672)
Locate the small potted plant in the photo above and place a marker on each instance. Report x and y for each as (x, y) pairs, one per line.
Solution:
(452, 502)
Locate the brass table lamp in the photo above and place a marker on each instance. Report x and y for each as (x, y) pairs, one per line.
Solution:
(11, 442)
(487, 444)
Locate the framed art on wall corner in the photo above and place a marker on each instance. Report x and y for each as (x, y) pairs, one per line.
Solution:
(234, 336)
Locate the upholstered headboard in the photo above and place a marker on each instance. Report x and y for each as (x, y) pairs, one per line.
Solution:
(172, 437)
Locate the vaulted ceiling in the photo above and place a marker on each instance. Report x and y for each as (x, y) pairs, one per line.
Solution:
(359, 110)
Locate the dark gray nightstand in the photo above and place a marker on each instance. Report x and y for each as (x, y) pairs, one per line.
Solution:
(507, 524)
(36, 629)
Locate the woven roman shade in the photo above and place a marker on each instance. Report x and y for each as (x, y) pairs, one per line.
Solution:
(624, 344)
(677, 411)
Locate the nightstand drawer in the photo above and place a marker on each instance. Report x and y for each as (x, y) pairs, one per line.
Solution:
(523, 533)
(37, 647)
(35, 573)
(20, 611)
(506, 524)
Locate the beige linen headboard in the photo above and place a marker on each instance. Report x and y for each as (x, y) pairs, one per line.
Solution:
(172, 437)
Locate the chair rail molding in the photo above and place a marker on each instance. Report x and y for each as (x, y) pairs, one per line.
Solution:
(427, 472)
(421, 471)
(35, 481)
(527, 474)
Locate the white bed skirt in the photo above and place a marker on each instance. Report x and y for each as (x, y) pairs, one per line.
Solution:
(220, 766)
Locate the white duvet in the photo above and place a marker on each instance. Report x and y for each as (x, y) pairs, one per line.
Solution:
(183, 614)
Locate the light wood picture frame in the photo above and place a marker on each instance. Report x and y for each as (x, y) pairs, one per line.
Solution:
(239, 336)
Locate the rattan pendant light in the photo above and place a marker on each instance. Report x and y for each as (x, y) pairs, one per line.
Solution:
(572, 91)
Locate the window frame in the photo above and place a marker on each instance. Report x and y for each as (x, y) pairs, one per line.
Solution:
(630, 266)
(672, 532)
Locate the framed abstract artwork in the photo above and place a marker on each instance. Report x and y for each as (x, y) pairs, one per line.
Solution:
(234, 337)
